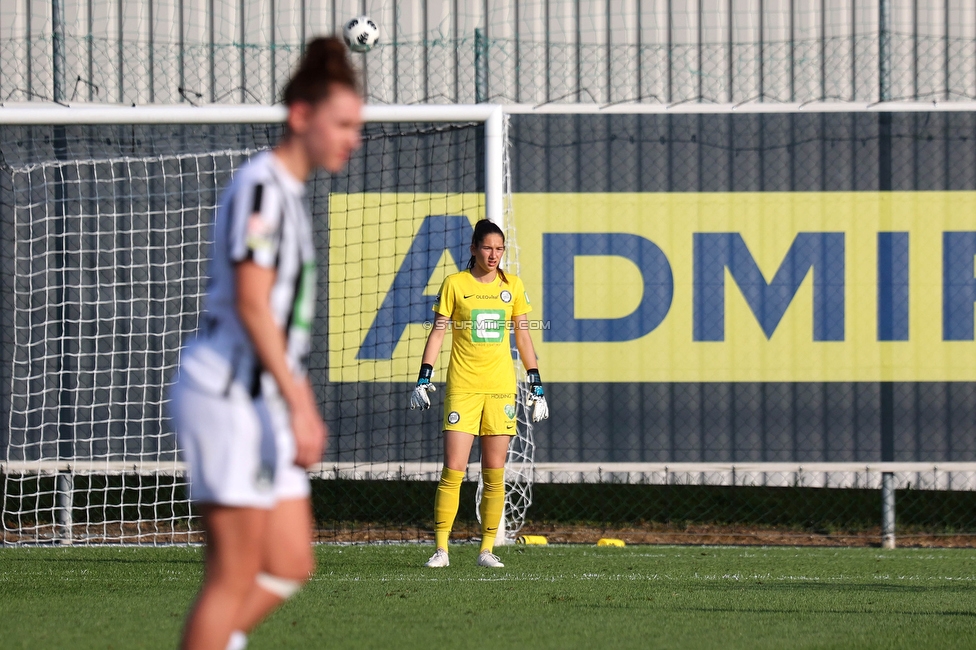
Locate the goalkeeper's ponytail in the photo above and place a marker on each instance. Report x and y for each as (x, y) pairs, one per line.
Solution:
(482, 229)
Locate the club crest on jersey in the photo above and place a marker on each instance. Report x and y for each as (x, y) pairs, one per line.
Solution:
(506, 296)
(453, 417)
(510, 411)
(259, 234)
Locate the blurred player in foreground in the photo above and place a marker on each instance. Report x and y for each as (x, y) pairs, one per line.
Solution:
(246, 417)
(481, 305)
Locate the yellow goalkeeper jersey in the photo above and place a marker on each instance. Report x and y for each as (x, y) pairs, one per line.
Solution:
(481, 348)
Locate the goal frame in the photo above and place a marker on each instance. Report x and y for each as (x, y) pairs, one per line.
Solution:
(491, 115)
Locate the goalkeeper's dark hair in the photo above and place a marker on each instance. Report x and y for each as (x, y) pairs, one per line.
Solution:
(482, 229)
(325, 64)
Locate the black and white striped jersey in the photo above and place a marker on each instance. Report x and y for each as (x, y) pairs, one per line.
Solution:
(264, 217)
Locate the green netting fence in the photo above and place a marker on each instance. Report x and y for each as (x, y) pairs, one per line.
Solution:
(525, 51)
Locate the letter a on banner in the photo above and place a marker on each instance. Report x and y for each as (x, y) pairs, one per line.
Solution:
(405, 302)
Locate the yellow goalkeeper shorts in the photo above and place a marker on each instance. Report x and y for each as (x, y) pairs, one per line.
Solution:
(480, 414)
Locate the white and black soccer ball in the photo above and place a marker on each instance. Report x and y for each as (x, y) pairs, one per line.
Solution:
(361, 34)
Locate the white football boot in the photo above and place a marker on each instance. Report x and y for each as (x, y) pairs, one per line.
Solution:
(489, 559)
(439, 559)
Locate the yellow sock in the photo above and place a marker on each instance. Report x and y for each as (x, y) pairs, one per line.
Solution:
(446, 505)
(492, 504)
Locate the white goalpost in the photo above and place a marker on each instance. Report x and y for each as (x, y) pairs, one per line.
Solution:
(106, 264)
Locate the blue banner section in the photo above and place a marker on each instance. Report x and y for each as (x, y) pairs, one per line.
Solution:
(893, 286)
(560, 250)
(958, 285)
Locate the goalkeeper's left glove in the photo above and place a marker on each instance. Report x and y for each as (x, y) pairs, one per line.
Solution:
(539, 407)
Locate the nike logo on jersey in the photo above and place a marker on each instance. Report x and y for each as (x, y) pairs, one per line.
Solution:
(482, 296)
(468, 296)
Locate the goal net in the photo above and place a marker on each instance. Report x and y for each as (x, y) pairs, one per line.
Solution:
(108, 221)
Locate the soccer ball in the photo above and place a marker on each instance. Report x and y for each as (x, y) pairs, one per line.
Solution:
(361, 34)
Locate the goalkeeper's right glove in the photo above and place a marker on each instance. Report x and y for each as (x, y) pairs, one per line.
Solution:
(419, 398)
(536, 400)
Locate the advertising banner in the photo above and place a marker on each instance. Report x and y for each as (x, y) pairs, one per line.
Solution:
(677, 287)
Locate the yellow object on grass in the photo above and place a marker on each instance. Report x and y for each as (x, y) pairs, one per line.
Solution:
(607, 541)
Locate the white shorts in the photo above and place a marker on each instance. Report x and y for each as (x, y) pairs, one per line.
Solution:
(239, 450)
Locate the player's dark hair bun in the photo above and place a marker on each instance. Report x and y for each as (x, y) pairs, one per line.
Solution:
(325, 62)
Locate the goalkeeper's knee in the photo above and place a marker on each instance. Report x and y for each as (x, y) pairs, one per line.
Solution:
(283, 588)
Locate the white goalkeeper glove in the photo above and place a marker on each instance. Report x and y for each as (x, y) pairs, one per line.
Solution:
(419, 398)
(536, 401)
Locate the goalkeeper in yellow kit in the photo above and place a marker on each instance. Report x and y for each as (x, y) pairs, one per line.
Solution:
(480, 304)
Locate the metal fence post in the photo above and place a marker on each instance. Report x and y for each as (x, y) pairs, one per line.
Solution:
(885, 185)
(65, 494)
(884, 50)
(888, 510)
(480, 66)
(57, 50)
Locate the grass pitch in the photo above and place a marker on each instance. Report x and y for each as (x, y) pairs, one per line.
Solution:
(546, 597)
